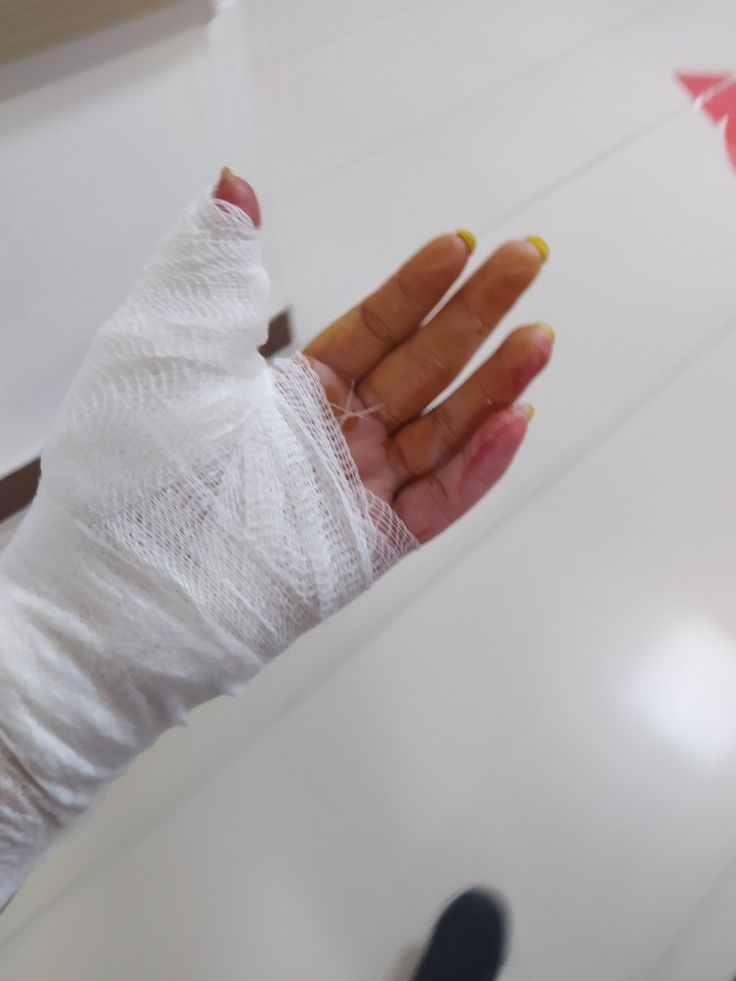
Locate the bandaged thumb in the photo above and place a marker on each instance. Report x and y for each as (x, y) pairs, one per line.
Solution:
(198, 510)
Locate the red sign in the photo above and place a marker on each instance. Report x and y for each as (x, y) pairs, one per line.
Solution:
(715, 95)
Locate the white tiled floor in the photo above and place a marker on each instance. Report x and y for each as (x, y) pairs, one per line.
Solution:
(364, 89)
(541, 700)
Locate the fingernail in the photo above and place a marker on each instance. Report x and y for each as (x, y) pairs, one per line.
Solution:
(526, 410)
(469, 239)
(540, 245)
(226, 175)
(547, 330)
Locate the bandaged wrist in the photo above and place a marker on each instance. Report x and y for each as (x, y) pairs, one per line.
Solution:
(198, 510)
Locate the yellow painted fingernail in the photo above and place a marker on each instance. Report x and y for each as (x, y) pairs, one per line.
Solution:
(526, 410)
(547, 330)
(226, 175)
(469, 239)
(540, 245)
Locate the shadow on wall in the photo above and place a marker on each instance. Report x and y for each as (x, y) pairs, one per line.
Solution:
(407, 964)
(31, 59)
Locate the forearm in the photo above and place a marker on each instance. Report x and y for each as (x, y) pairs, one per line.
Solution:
(31, 816)
(28, 824)
(78, 702)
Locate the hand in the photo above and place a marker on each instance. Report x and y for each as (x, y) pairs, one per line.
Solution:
(139, 499)
(381, 365)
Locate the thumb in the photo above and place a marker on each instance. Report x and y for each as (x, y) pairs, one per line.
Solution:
(172, 366)
(238, 192)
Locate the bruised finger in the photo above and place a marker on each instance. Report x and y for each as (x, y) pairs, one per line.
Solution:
(435, 501)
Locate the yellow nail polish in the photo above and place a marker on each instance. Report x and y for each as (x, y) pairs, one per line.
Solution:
(225, 175)
(526, 410)
(469, 239)
(540, 245)
(547, 330)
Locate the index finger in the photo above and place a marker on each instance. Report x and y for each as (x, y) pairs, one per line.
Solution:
(358, 340)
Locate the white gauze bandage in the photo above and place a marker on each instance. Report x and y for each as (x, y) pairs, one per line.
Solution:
(198, 510)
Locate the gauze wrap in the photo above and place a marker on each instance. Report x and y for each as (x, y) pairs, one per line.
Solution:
(198, 510)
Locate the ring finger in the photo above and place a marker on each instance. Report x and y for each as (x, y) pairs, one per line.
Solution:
(425, 442)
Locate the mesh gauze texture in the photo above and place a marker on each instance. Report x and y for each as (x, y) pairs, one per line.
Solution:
(198, 510)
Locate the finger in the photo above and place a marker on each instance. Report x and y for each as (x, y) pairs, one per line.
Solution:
(420, 369)
(424, 443)
(432, 503)
(238, 192)
(363, 336)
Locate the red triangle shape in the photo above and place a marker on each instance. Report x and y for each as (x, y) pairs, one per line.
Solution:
(721, 103)
(697, 84)
(731, 139)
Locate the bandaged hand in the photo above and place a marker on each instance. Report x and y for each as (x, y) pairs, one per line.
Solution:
(200, 508)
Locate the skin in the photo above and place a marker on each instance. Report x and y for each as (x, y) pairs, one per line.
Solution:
(376, 363)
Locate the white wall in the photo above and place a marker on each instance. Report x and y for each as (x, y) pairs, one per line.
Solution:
(104, 140)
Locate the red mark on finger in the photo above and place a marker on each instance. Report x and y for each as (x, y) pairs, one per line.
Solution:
(494, 449)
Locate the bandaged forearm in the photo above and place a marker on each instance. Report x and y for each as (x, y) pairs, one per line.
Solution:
(198, 510)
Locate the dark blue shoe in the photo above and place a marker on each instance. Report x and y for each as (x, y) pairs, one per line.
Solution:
(468, 942)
